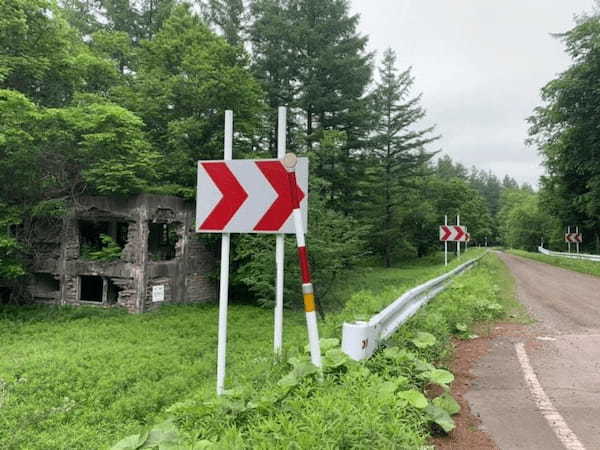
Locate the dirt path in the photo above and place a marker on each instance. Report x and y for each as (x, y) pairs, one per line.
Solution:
(539, 387)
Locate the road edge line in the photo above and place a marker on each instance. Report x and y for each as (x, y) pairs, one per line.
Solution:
(553, 417)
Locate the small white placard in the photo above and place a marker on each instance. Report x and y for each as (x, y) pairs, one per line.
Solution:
(158, 293)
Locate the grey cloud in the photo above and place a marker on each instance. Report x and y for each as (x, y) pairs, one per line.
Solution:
(480, 66)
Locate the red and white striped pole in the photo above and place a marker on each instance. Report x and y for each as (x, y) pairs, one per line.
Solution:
(290, 162)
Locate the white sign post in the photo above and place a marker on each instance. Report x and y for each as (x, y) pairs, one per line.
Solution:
(279, 245)
(568, 241)
(446, 242)
(458, 242)
(577, 243)
(224, 278)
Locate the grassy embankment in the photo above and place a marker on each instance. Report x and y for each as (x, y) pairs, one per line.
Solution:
(85, 378)
(577, 265)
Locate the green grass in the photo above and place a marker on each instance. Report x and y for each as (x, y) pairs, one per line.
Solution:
(587, 267)
(85, 378)
(82, 378)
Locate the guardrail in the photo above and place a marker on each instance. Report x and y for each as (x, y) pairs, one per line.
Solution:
(583, 256)
(361, 339)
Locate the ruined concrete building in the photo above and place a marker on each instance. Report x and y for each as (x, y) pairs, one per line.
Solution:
(135, 252)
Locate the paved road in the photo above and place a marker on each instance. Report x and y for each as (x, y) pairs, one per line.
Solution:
(541, 389)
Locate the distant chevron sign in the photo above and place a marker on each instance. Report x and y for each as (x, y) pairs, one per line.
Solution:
(573, 238)
(248, 196)
(454, 233)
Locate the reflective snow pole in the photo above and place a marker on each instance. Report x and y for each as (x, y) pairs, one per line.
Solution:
(289, 162)
(279, 246)
(224, 278)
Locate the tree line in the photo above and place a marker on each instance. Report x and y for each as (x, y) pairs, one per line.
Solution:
(113, 97)
(564, 129)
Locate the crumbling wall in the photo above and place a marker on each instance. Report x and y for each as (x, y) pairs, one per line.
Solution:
(181, 264)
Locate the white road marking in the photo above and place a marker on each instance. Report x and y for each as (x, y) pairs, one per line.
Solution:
(550, 413)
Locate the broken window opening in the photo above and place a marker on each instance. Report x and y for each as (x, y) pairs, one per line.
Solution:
(45, 283)
(15, 230)
(121, 233)
(98, 240)
(5, 292)
(162, 241)
(112, 292)
(91, 288)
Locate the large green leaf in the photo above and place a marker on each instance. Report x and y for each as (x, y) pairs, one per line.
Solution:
(328, 344)
(423, 366)
(387, 388)
(305, 369)
(164, 436)
(335, 358)
(129, 443)
(448, 403)
(414, 398)
(424, 340)
(288, 381)
(441, 417)
(438, 376)
(462, 327)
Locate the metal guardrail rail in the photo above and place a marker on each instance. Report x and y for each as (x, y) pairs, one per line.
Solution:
(362, 338)
(582, 256)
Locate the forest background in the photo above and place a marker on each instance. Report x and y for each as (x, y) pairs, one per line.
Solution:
(118, 97)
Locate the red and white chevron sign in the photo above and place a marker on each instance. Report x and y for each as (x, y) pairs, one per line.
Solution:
(454, 233)
(248, 196)
(573, 238)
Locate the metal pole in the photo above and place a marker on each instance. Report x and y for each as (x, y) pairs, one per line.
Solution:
(458, 242)
(279, 245)
(577, 238)
(569, 238)
(307, 286)
(446, 242)
(224, 278)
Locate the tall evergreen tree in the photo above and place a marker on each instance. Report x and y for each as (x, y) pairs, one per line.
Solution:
(229, 16)
(140, 19)
(309, 55)
(397, 154)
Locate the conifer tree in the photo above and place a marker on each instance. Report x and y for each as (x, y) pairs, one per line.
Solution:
(229, 16)
(397, 153)
(309, 55)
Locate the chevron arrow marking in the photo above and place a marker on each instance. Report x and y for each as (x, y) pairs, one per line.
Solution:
(281, 208)
(460, 233)
(234, 195)
(445, 233)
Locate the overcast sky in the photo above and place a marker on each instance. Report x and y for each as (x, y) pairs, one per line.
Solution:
(480, 65)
